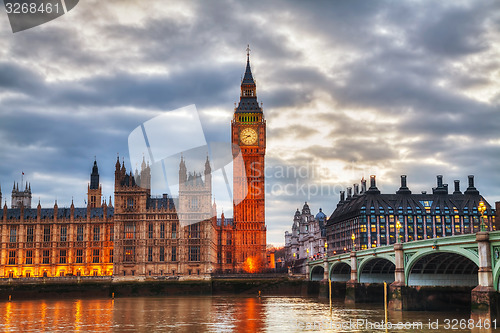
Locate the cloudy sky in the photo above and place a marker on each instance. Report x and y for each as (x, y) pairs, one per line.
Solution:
(349, 89)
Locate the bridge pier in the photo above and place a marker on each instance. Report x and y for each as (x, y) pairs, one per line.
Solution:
(352, 286)
(398, 289)
(484, 298)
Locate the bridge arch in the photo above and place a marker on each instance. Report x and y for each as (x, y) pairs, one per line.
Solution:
(496, 276)
(317, 273)
(340, 272)
(377, 270)
(442, 268)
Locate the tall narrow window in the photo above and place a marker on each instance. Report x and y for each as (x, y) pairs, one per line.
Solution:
(79, 256)
(111, 255)
(30, 234)
(174, 230)
(150, 231)
(79, 233)
(12, 257)
(46, 257)
(62, 256)
(97, 234)
(95, 256)
(150, 253)
(46, 233)
(162, 230)
(162, 253)
(63, 232)
(13, 234)
(29, 257)
(174, 253)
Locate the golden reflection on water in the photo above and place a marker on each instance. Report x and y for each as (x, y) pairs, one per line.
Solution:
(194, 314)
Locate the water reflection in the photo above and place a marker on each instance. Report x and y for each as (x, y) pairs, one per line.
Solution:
(205, 314)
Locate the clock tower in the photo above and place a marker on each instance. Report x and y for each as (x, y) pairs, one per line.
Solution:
(248, 132)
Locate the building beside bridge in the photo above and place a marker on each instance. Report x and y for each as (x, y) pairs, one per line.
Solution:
(367, 218)
(308, 236)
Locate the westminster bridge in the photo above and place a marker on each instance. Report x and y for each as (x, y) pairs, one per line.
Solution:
(463, 262)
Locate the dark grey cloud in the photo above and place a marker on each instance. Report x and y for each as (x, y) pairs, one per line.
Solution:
(408, 87)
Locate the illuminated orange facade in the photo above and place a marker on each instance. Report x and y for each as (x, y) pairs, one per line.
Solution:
(55, 242)
(248, 131)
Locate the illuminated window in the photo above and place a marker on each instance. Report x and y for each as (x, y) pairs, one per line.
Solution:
(111, 255)
(62, 256)
(95, 256)
(46, 256)
(129, 230)
(129, 254)
(29, 257)
(79, 256)
(12, 257)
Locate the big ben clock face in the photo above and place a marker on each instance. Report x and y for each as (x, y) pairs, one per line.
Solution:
(248, 136)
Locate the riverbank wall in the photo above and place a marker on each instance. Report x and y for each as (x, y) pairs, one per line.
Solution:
(102, 288)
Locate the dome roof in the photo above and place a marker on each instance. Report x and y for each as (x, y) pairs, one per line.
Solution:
(320, 215)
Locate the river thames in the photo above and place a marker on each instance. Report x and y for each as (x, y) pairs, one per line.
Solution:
(214, 314)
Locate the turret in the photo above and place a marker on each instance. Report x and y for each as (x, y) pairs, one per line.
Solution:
(94, 189)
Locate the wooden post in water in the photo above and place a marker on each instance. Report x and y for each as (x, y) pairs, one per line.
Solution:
(385, 304)
(330, 293)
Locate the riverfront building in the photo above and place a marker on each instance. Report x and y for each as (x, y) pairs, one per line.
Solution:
(142, 236)
(308, 236)
(366, 218)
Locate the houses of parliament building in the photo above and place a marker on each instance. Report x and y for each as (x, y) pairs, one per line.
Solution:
(141, 236)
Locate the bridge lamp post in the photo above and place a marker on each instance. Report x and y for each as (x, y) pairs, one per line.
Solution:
(326, 248)
(482, 208)
(398, 228)
(353, 237)
(307, 250)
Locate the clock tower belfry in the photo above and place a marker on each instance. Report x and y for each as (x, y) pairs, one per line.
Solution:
(248, 131)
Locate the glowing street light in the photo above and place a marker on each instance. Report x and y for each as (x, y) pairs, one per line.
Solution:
(482, 208)
(353, 237)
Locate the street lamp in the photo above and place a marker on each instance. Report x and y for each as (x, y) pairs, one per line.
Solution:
(398, 228)
(482, 208)
(326, 248)
(307, 251)
(353, 237)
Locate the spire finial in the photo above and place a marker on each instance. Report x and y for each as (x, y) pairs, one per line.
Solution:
(248, 52)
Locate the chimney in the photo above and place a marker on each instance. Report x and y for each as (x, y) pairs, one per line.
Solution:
(356, 189)
(373, 186)
(342, 196)
(457, 187)
(349, 192)
(471, 189)
(404, 188)
(440, 181)
(363, 185)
